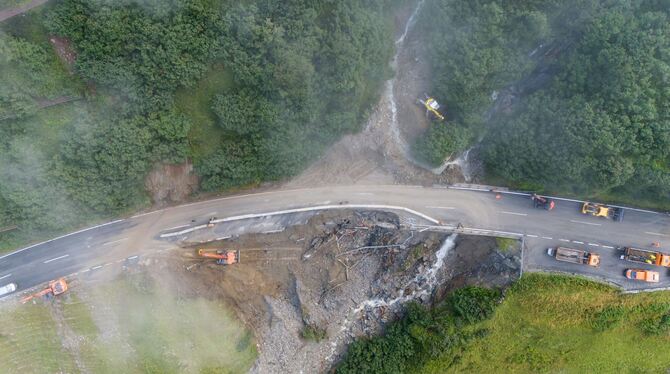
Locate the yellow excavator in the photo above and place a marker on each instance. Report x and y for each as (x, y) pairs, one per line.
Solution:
(431, 106)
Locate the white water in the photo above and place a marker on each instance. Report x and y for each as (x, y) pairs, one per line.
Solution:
(389, 92)
(425, 283)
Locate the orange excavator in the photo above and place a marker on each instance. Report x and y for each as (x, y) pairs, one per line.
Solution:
(222, 257)
(55, 288)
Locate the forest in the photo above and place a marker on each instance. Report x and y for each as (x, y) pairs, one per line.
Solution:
(284, 80)
(586, 82)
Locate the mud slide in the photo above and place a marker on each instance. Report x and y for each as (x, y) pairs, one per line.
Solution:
(381, 152)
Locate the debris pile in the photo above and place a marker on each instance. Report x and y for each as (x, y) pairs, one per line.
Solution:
(308, 290)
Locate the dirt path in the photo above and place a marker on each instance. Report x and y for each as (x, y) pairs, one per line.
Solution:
(9, 13)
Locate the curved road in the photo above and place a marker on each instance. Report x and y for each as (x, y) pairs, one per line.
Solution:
(113, 242)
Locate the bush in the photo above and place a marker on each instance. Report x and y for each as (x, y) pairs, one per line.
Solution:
(441, 141)
(608, 318)
(474, 304)
(313, 333)
(656, 326)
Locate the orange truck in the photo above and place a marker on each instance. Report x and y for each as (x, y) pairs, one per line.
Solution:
(645, 256)
(575, 256)
(643, 275)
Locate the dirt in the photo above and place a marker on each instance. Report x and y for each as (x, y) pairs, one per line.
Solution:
(381, 152)
(64, 51)
(169, 183)
(345, 272)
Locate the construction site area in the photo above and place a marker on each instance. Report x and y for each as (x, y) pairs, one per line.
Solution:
(302, 294)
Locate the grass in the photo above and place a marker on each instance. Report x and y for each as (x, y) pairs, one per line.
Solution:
(196, 103)
(129, 325)
(551, 323)
(506, 244)
(29, 342)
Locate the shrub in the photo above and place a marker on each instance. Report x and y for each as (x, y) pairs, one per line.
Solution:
(313, 333)
(474, 304)
(608, 317)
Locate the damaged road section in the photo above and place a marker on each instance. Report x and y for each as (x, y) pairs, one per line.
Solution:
(309, 289)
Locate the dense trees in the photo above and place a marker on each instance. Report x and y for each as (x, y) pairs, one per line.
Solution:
(422, 334)
(600, 125)
(604, 123)
(303, 73)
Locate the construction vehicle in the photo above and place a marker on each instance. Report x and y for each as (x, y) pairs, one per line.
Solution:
(600, 210)
(643, 275)
(542, 202)
(431, 106)
(55, 288)
(575, 256)
(645, 256)
(222, 257)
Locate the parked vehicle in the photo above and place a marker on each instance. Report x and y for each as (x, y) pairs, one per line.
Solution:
(601, 210)
(645, 256)
(7, 289)
(575, 256)
(643, 275)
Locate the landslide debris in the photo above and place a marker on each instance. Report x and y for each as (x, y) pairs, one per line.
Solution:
(309, 290)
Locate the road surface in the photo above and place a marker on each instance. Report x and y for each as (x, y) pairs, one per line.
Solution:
(113, 243)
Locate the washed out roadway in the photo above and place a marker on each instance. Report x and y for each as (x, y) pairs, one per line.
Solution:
(111, 243)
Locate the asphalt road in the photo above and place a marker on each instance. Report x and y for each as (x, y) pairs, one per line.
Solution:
(115, 242)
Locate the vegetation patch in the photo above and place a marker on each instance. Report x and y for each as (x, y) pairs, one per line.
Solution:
(566, 96)
(129, 325)
(546, 323)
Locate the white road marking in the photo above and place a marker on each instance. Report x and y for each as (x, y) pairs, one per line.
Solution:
(577, 242)
(440, 207)
(564, 240)
(223, 237)
(608, 246)
(132, 257)
(5, 276)
(587, 223)
(109, 263)
(546, 237)
(96, 267)
(308, 209)
(655, 233)
(531, 236)
(115, 241)
(594, 245)
(54, 259)
(61, 237)
(84, 271)
(176, 227)
(516, 214)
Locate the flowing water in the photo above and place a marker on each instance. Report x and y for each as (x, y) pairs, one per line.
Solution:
(424, 283)
(389, 92)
